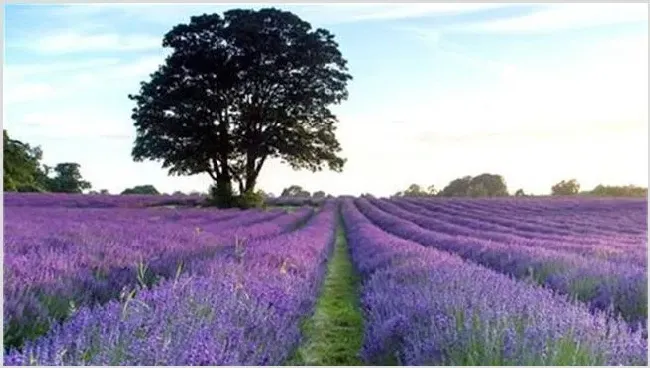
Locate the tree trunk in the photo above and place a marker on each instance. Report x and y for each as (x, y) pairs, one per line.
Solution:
(250, 185)
(223, 196)
(253, 171)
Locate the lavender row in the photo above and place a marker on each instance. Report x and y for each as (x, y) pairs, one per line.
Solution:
(579, 216)
(97, 200)
(61, 242)
(239, 310)
(518, 227)
(426, 307)
(93, 266)
(574, 220)
(621, 289)
(551, 205)
(620, 254)
(577, 220)
(532, 229)
(455, 222)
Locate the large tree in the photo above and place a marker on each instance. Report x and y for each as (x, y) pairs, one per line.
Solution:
(68, 179)
(457, 187)
(142, 189)
(22, 170)
(618, 191)
(566, 188)
(239, 89)
(292, 191)
(483, 185)
(415, 190)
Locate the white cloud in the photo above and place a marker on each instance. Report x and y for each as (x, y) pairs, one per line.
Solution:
(75, 123)
(556, 17)
(73, 42)
(19, 71)
(27, 92)
(365, 12)
(140, 68)
(324, 13)
(39, 82)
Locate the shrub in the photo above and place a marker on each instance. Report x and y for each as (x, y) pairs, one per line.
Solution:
(251, 200)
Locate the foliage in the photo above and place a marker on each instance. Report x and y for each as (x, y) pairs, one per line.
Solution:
(457, 187)
(618, 191)
(295, 191)
(319, 194)
(520, 193)
(484, 185)
(415, 190)
(566, 187)
(23, 172)
(141, 189)
(250, 200)
(237, 90)
(68, 179)
(221, 196)
(21, 166)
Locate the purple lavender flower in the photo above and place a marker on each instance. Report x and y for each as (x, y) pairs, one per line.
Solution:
(460, 313)
(225, 311)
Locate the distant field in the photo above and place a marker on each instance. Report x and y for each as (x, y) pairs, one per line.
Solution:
(132, 280)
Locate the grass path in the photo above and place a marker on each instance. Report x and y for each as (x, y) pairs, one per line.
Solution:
(334, 333)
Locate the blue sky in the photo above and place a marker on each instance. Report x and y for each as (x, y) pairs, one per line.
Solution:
(537, 93)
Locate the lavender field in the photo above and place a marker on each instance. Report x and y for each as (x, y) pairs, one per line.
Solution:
(129, 280)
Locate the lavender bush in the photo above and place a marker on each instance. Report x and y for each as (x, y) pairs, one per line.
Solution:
(243, 309)
(614, 249)
(426, 307)
(619, 288)
(55, 257)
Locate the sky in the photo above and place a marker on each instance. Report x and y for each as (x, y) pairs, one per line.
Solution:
(536, 93)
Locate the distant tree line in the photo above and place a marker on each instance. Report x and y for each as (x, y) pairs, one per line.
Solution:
(296, 191)
(484, 185)
(572, 187)
(24, 172)
(492, 185)
(141, 189)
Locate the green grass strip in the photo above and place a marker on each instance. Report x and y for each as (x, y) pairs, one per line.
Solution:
(334, 333)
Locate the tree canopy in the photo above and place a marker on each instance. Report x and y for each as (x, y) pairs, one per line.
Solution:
(68, 179)
(240, 89)
(142, 189)
(21, 166)
(619, 191)
(565, 188)
(295, 191)
(484, 185)
(24, 172)
(415, 190)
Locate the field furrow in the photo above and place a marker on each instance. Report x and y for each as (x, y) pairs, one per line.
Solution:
(603, 285)
(427, 307)
(608, 251)
(243, 309)
(84, 263)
